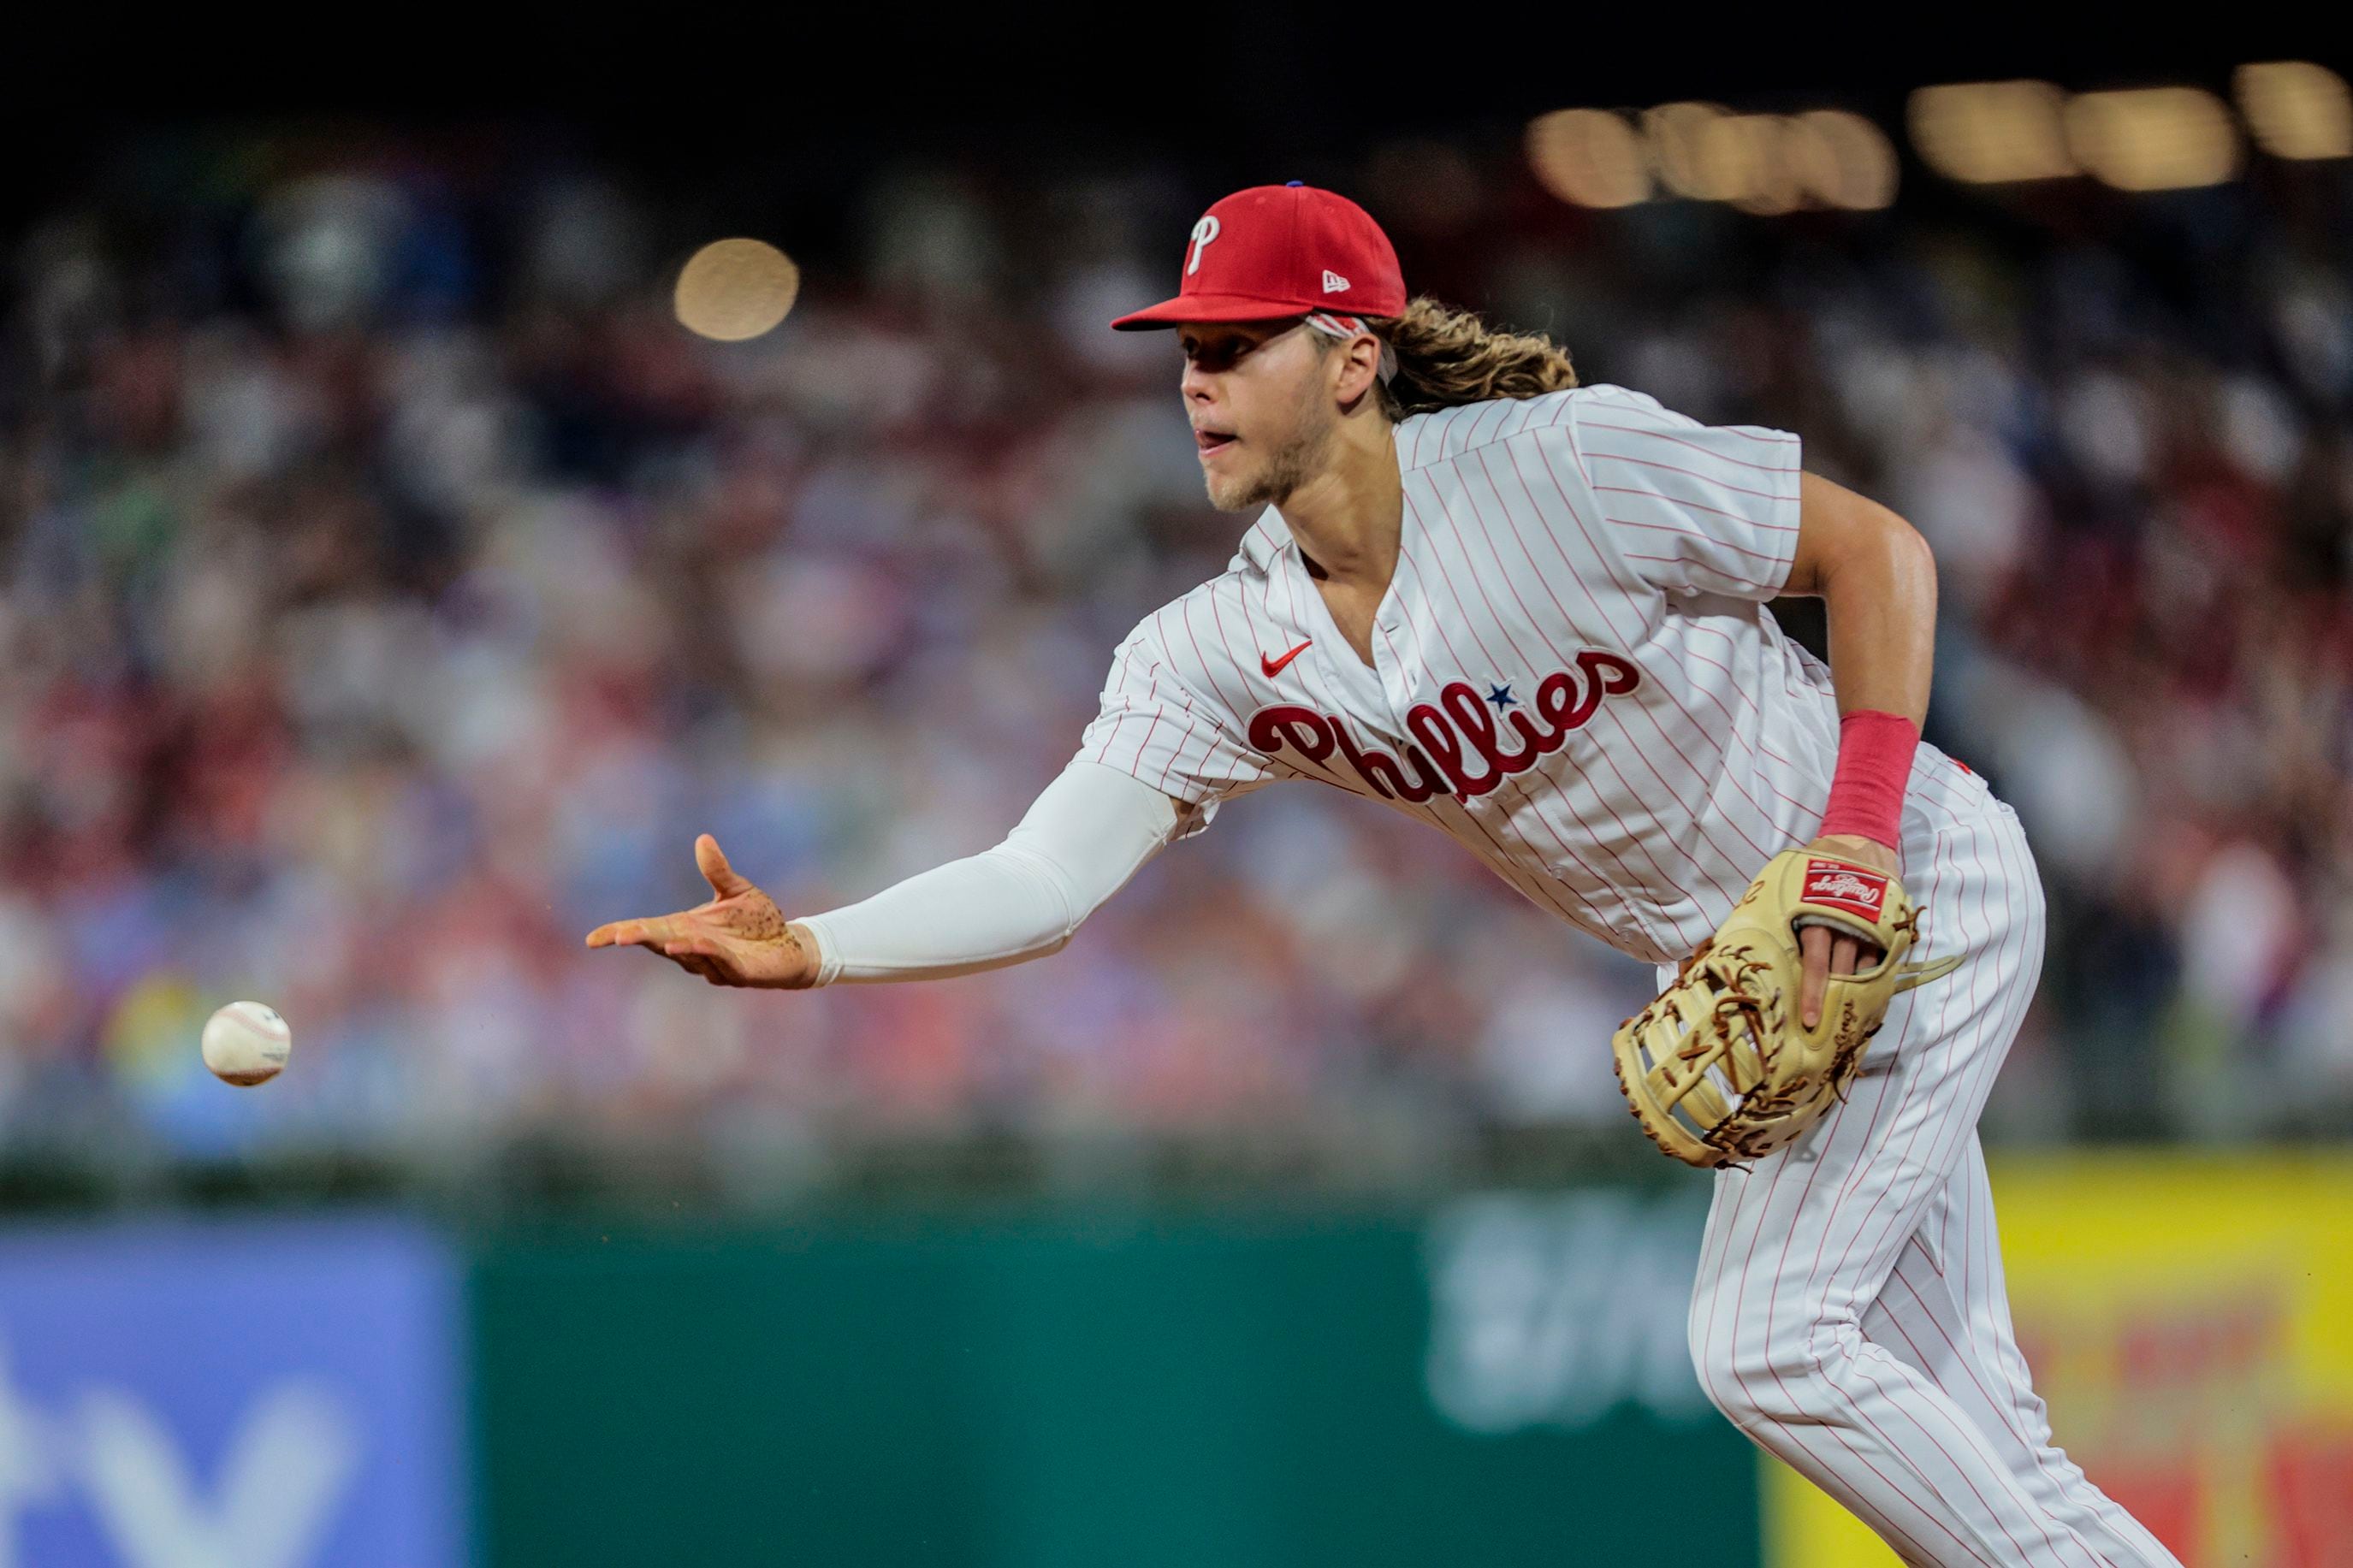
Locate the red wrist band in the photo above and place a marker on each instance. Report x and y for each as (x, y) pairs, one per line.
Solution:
(1874, 764)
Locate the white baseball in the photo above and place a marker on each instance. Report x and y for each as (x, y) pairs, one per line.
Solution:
(246, 1043)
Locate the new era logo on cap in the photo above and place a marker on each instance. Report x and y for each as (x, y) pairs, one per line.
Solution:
(1273, 251)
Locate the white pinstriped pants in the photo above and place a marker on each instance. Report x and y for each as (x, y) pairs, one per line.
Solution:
(1850, 1313)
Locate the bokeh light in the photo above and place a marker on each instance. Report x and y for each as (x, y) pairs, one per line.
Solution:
(2297, 109)
(2153, 139)
(1681, 137)
(1762, 163)
(1992, 132)
(1843, 160)
(1589, 157)
(1749, 156)
(732, 290)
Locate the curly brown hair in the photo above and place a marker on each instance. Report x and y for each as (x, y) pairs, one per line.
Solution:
(1448, 357)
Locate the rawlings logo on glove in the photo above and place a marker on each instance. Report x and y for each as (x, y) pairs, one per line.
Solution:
(1719, 1068)
(1836, 883)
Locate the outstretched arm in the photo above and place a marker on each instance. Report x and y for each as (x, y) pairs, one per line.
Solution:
(1079, 842)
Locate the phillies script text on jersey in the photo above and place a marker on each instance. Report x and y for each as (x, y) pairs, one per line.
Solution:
(1632, 792)
(1459, 751)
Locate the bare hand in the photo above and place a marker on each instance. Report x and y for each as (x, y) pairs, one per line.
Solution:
(1827, 952)
(739, 938)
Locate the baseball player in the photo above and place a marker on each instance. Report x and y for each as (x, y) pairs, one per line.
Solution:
(1532, 615)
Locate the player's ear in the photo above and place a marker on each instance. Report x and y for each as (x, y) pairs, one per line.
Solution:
(1358, 365)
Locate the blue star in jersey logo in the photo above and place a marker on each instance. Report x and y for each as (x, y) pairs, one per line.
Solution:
(1501, 695)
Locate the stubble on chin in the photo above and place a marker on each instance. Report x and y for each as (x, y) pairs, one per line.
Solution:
(1283, 472)
(1232, 496)
(1270, 486)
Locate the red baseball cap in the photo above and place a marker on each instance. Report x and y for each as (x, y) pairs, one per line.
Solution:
(1280, 250)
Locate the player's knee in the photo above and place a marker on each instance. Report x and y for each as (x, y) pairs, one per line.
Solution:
(1755, 1376)
(1737, 1385)
(1718, 1360)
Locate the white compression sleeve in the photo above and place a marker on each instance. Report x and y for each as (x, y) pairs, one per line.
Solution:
(1081, 841)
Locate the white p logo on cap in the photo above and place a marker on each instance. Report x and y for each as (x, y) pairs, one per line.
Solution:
(1203, 232)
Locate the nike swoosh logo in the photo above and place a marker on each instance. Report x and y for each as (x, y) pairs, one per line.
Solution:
(1273, 667)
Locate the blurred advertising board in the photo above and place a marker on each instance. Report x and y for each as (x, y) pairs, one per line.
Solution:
(2190, 1322)
(245, 1394)
(1499, 1381)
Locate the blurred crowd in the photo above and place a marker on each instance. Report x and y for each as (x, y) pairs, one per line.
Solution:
(392, 589)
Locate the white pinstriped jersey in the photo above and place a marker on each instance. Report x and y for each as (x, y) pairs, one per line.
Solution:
(1574, 672)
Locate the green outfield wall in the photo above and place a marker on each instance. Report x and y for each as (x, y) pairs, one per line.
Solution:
(1499, 1379)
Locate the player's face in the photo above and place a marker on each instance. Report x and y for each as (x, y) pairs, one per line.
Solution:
(1263, 416)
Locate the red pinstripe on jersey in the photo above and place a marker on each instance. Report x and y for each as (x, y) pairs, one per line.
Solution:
(1535, 530)
(1836, 1319)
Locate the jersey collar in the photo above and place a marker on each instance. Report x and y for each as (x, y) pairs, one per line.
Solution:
(1268, 538)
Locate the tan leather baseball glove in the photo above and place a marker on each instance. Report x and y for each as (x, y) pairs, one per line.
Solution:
(1719, 1070)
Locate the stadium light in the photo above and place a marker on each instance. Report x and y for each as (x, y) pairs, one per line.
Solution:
(1588, 158)
(2295, 109)
(1841, 160)
(1763, 163)
(2153, 139)
(1749, 160)
(732, 290)
(1992, 132)
(1679, 138)
(1977, 132)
